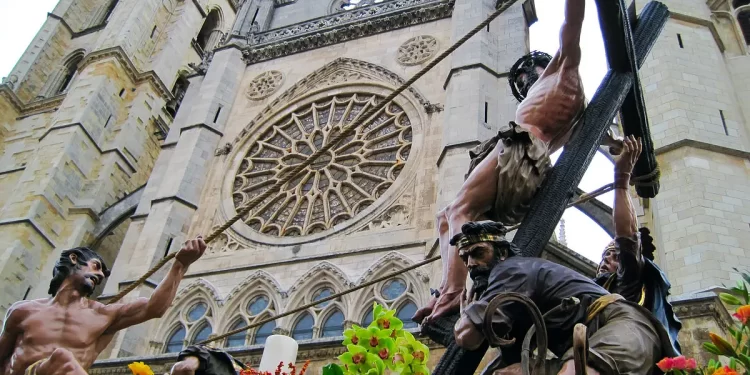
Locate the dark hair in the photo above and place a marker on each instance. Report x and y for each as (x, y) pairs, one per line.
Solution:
(64, 266)
(476, 228)
(647, 244)
(527, 65)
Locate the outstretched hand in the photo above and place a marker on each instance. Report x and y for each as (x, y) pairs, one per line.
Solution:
(191, 251)
(631, 150)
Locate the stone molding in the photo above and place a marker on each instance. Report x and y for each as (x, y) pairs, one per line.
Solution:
(137, 77)
(315, 350)
(703, 306)
(467, 145)
(33, 107)
(33, 225)
(314, 273)
(175, 199)
(117, 151)
(701, 22)
(469, 67)
(201, 126)
(259, 276)
(702, 146)
(330, 74)
(130, 69)
(344, 26)
(313, 258)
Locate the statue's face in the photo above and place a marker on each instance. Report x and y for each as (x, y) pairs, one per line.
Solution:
(609, 262)
(86, 275)
(479, 258)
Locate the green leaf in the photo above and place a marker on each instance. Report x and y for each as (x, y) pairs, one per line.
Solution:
(711, 348)
(332, 369)
(733, 363)
(730, 299)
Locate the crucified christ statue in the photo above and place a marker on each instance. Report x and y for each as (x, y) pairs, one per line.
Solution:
(63, 334)
(507, 170)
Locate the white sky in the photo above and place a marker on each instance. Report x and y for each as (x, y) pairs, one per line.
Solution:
(18, 31)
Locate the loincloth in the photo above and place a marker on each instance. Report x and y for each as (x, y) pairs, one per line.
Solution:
(522, 165)
(616, 324)
(212, 361)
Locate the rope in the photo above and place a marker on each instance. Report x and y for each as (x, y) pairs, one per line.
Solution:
(322, 300)
(582, 199)
(645, 180)
(346, 131)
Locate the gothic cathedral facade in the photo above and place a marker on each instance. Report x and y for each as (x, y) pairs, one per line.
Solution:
(132, 125)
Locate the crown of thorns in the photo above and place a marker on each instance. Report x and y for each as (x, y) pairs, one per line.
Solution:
(526, 64)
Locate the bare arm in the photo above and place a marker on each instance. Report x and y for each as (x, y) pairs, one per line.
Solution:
(9, 336)
(626, 221)
(144, 309)
(570, 32)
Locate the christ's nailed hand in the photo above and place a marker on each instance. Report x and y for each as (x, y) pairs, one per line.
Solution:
(191, 251)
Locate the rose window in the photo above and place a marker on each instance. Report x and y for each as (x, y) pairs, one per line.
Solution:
(340, 183)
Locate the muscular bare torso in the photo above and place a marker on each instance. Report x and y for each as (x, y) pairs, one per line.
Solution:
(553, 103)
(80, 328)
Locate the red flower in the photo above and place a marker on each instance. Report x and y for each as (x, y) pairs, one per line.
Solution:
(665, 364)
(383, 353)
(742, 313)
(679, 363)
(691, 364)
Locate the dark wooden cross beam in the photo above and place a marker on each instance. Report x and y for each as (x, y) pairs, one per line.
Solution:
(549, 203)
(553, 197)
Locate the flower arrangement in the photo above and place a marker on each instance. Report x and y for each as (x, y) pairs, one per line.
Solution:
(384, 344)
(738, 354)
(279, 370)
(140, 368)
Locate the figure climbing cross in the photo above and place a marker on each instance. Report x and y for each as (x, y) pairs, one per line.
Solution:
(628, 40)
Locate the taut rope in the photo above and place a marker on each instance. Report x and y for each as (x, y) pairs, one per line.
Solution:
(346, 131)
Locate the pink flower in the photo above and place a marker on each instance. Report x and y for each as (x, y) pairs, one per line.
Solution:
(679, 363)
(665, 364)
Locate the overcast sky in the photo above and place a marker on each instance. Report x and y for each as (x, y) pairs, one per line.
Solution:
(18, 31)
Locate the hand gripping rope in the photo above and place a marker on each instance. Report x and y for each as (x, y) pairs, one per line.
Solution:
(368, 116)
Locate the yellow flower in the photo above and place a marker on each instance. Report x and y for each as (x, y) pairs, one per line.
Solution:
(140, 368)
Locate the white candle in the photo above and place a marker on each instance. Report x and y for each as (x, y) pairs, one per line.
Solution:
(279, 348)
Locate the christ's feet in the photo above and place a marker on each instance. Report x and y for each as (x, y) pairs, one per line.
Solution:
(448, 303)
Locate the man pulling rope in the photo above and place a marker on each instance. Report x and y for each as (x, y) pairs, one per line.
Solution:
(63, 334)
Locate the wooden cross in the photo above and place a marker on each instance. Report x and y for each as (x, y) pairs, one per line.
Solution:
(627, 44)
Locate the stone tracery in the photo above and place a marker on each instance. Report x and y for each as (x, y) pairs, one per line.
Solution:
(264, 85)
(338, 185)
(417, 50)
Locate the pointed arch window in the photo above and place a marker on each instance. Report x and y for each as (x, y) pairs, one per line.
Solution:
(367, 318)
(176, 340)
(178, 94)
(322, 293)
(210, 33)
(60, 80)
(238, 339)
(263, 332)
(303, 328)
(194, 324)
(405, 312)
(333, 325)
(202, 333)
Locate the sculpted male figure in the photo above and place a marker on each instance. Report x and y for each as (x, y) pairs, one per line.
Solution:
(63, 334)
(507, 170)
(627, 266)
(624, 338)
